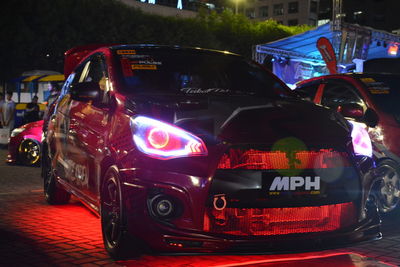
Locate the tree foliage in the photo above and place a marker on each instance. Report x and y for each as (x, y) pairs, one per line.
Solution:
(36, 33)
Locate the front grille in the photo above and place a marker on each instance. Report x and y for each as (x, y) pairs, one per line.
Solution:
(254, 159)
(279, 221)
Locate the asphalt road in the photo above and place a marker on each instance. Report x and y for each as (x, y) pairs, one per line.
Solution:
(33, 233)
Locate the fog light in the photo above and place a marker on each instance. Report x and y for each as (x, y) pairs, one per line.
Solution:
(164, 207)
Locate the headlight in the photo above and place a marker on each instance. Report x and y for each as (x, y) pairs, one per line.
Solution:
(16, 131)
(164, 141)
(361, 142)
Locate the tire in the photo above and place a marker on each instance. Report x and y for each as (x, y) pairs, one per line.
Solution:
(53, 192)
(117, 241)
(387, 189)
(29, 152)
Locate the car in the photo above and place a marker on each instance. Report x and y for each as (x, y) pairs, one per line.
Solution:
(25, 142)
(372, 99)
(193, 150)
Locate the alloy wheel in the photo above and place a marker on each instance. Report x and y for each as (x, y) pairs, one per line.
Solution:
(111, 211)
(29, 152)
(389, 189)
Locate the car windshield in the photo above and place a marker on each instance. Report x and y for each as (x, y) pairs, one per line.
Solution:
(385, 92)
(195, 73)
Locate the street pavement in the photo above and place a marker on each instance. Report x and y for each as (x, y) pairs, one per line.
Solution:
(33, 233)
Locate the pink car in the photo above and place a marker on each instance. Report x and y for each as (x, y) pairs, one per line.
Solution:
(25, 144)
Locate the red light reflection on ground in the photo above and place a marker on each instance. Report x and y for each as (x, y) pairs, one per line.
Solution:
(33, 233)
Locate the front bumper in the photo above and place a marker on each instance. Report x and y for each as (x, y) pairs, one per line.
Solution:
(187, 234)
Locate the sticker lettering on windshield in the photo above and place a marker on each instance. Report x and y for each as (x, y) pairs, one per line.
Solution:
(190, 90)
(126, 52)
(375, 87)
(147, 62)
(367, 80)
(144, 67)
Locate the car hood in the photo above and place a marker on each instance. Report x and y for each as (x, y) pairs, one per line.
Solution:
(244, 119)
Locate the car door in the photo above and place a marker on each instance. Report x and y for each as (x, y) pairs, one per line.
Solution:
(88, 128)
(58, 129)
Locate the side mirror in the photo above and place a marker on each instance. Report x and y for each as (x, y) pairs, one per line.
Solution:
(351, 110)
(86, 91)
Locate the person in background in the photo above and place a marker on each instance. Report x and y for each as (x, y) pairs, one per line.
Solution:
(51, 101)
(1, 110)
(8, 111)
(32, 111)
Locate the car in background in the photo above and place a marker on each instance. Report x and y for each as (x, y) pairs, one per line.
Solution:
(24, 146)
(374, 100)
(194, 150)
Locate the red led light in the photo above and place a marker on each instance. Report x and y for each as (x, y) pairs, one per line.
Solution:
(267, 160)
(279, 221)
(158, 138)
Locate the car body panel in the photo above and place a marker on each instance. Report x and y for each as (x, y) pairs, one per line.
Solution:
(87, 138)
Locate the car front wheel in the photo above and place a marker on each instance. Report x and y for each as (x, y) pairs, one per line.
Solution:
(117, 241)
(387, 189)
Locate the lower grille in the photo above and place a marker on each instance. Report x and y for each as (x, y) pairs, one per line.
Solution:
(279, 221)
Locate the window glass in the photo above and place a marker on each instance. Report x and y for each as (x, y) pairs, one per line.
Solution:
(94, 70)
(313, 6)
(250, 13)
(308, 91)
(293, 7)
(340, 92)
(278, 9)
(187, 72)
(263, 11)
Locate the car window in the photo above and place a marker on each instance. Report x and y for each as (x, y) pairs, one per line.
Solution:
(340, 92)
(308, 91)
(94, 70)
(170, 72)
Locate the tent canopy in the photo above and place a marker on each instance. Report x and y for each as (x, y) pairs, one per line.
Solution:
(304, 45)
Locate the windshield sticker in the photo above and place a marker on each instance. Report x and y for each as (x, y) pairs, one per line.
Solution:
(377, 88)
(147, 62)
(190, 90)
(144, 67)
(137, 56)
(126, 52)
(367, 80)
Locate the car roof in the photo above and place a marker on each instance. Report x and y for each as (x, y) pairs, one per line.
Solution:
(170, 48)
(76, 54)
